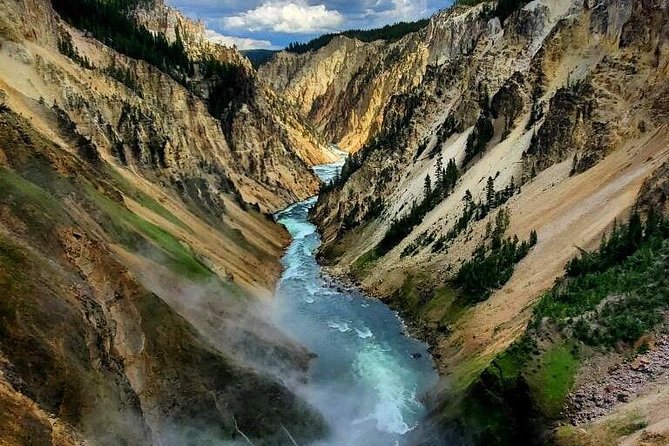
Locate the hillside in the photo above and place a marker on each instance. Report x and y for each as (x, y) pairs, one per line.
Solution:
(259, 57)
(135, 247)
(470, 137)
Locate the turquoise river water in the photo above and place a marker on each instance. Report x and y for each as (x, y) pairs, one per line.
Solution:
(368, 376)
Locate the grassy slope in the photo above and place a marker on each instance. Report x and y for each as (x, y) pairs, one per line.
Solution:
(524, 389)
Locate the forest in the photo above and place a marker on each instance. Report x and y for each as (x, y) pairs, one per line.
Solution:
(389, 33)
(607, 300)
(445, 179)
(631, 264)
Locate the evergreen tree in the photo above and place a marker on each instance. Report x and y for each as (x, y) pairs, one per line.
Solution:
(440, 174)
(452, 174)
(634, 232)
(427, 192)
(490, 192)
(389, 33)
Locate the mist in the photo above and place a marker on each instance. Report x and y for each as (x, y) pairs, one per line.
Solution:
(346, 355)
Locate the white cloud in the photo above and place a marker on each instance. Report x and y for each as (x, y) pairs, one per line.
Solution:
(242, 43)
(388, 11)
(287, 16)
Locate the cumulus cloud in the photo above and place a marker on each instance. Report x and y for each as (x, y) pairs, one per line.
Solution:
(242, 43)
(287, 16)
(388, 11)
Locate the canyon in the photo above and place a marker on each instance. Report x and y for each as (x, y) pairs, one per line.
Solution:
(148, 203)
(555, 115)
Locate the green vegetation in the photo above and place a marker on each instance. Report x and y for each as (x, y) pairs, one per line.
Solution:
(469, 2)
(504, 7)
(424, 239)
(401, 227)
(389, 33)
(66, 47)
(497, 407)
(609, 297)
(389, 140)
(616, 293)
(142, 198)
(33, 205)
(504, 253)
(230, 87)
(17, 191)
(364, 261)
(130, 230)
(442, 308)
(478, 139)
(492, 264)
(606, 433)
(124, 76)
(519, 392)
(407, 296)
(13, 282)
(478, 210)
(473, 211)
(109, 22)
(628, 425)
(68, 129)
(33, 190)
(259, 58)
(553, 377)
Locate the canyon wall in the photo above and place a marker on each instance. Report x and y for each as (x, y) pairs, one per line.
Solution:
(553, 114)
(136, 247)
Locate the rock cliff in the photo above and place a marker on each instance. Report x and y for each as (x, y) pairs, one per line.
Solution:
(553, 114)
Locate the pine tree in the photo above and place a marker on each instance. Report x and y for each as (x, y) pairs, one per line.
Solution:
(634, 232)
(440, 175)
(490, 192)
(428, 188)
(451, 175)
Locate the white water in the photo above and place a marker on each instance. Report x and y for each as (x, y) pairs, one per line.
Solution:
(368, 377)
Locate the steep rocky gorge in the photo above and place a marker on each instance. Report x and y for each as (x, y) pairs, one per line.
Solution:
(490, 148)
(555, 113)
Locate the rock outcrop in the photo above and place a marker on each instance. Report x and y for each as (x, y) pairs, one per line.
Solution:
(261, 150)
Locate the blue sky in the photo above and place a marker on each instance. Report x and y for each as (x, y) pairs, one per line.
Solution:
(272, 24)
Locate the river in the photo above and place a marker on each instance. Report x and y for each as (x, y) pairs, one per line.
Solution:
(368, 376)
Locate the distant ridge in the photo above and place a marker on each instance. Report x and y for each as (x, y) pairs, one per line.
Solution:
(389, 33)
(259, 58)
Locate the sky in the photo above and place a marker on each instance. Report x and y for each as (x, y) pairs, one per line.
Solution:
(272, 24)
